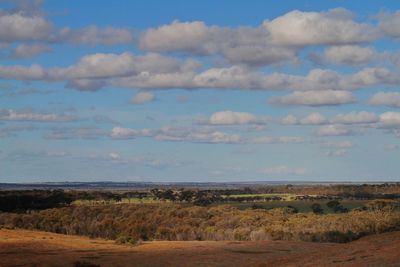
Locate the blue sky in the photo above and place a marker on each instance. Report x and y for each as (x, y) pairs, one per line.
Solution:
(199, 91)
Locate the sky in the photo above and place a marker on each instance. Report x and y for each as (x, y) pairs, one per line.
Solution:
(199, 91)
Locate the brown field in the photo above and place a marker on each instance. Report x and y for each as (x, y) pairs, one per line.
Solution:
(34, 248)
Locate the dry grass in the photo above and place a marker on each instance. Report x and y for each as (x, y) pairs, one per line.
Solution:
(34, 248)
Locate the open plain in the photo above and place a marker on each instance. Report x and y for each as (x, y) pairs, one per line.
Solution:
(35, 248)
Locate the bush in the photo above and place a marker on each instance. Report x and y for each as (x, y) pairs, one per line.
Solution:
(85, 264)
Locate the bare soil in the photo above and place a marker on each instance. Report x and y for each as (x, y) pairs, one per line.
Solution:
(34, 248)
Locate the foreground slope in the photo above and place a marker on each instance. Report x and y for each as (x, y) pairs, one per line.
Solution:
(33, 248)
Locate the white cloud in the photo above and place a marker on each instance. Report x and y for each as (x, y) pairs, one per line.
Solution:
(277, 140)
(91, 68)
(179, 36)
(390, 119)
(29, 24)
(114, 156)
(356, 117)
(349, 55)
(19, 72)
(128, 133)
(272, 42)
(156, 71)
(391, 99)
(335, 27)
(27, 51)
(196, 135)
(142, 97)
(333, 130)
(283, 170)
(290, 120)
(18, 27)
(29, 115)
(242, 45)
(228, 117)
(313, 118)
(314, 98)
(390, 24)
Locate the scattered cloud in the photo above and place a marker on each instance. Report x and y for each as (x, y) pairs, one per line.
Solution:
(389, 23)
(313, 118)
(228, 117)
(356, 118)
(128, 133)
(28, 51)
(333, 130)
(142, 97)
(349, 55)
(390, 99)
(30, 115)
(389, 120)
(114, 156)
(333, 27)
(314, 98)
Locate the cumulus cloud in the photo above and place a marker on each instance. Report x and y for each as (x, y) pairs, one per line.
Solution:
(27, 23)
(356, 117)
(27, 51)
(333, 130)
(334, 27)
(337, 149)
(275, 41)
(154, 71)
(19, 72)
(389, 23)
(128, 133)
(391, 99)
(114, 156)
(228, 117)
(91, 68)
(313, 118)
(242, 45)
(196, 135)
(389, 120)
(19, 27)
(29, 115)
(277, 140)
(314, 98)
(349, 55)
(200, 135)
(142, 97)
(283, 170)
